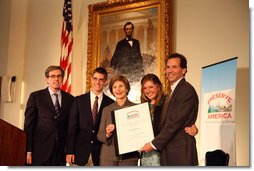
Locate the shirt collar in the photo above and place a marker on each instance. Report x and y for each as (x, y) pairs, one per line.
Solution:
(93, 95)
(173, 86)
(128, 38)
(51, 92)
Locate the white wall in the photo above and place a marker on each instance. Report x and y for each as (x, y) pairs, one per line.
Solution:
(43, 42)
(5, 10)
(14, 61)
(207, 31)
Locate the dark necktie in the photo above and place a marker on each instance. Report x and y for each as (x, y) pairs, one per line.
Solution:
(57, 106)
(95, 109)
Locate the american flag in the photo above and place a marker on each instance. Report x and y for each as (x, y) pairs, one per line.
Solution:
(66, 45)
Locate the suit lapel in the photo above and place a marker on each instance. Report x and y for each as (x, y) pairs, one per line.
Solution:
(88, 99)
(63, 103)
(177, 88)
(168, 102)
(103, 103)
(49, 101)
(135, 43)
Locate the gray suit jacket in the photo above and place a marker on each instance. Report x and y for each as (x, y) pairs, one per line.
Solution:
(108, 144)
(178, 148)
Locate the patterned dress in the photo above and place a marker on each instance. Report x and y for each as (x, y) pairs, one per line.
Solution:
(151, 158)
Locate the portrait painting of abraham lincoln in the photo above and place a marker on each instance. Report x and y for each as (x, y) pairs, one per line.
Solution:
(128, 37)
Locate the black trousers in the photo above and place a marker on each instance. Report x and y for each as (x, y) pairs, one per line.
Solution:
(57, 157)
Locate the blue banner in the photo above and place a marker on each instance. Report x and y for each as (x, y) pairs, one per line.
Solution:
(218, 109)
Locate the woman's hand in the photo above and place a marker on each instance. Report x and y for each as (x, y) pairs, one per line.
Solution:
(109, 130)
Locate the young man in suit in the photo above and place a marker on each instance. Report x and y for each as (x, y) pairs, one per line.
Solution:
(127, 59)
(46, 121)
(83, 148)
(177, 147)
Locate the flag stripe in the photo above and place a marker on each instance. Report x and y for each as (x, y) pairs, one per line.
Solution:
(66, 45)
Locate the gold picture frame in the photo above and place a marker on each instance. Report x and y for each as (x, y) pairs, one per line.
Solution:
(152, 18)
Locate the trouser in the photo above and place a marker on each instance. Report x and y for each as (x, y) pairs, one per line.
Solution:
(119, 163)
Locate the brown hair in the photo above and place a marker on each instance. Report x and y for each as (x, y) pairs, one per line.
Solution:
(102, 71)
(52, 68)
(183, 60)
(119, 78)
(128, 23)
(154, 78)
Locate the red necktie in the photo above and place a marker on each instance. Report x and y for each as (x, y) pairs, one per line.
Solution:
(95, 109)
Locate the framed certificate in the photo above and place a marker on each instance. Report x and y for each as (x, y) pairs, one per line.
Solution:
(133, 128)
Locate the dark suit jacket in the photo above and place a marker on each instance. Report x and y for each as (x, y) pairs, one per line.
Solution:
(81, 139)
(42, 128)
(178, 148)
(157, 116)
(127, 59)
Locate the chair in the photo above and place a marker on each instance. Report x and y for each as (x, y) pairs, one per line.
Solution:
(216, 158)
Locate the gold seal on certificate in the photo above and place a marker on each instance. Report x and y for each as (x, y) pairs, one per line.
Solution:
(133, 128)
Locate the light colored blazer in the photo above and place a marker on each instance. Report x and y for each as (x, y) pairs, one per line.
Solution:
(108, 144)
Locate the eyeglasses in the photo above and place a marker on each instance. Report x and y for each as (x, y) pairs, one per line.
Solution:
(55, 76)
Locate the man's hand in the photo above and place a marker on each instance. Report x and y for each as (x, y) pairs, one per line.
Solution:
(29, 158)
(70, 158)
(146, 148)
(192, 131)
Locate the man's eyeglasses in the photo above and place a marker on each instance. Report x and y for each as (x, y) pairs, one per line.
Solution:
(55, 76)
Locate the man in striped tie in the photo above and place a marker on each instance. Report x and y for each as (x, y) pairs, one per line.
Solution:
(46, 118)
(83, 148)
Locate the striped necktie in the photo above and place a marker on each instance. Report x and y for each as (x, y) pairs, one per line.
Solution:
(95, 109)
(57, 106)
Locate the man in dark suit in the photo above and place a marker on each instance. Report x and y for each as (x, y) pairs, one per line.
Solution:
(127, 59)
(46, 121)
(180, 111)
(83, 148)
